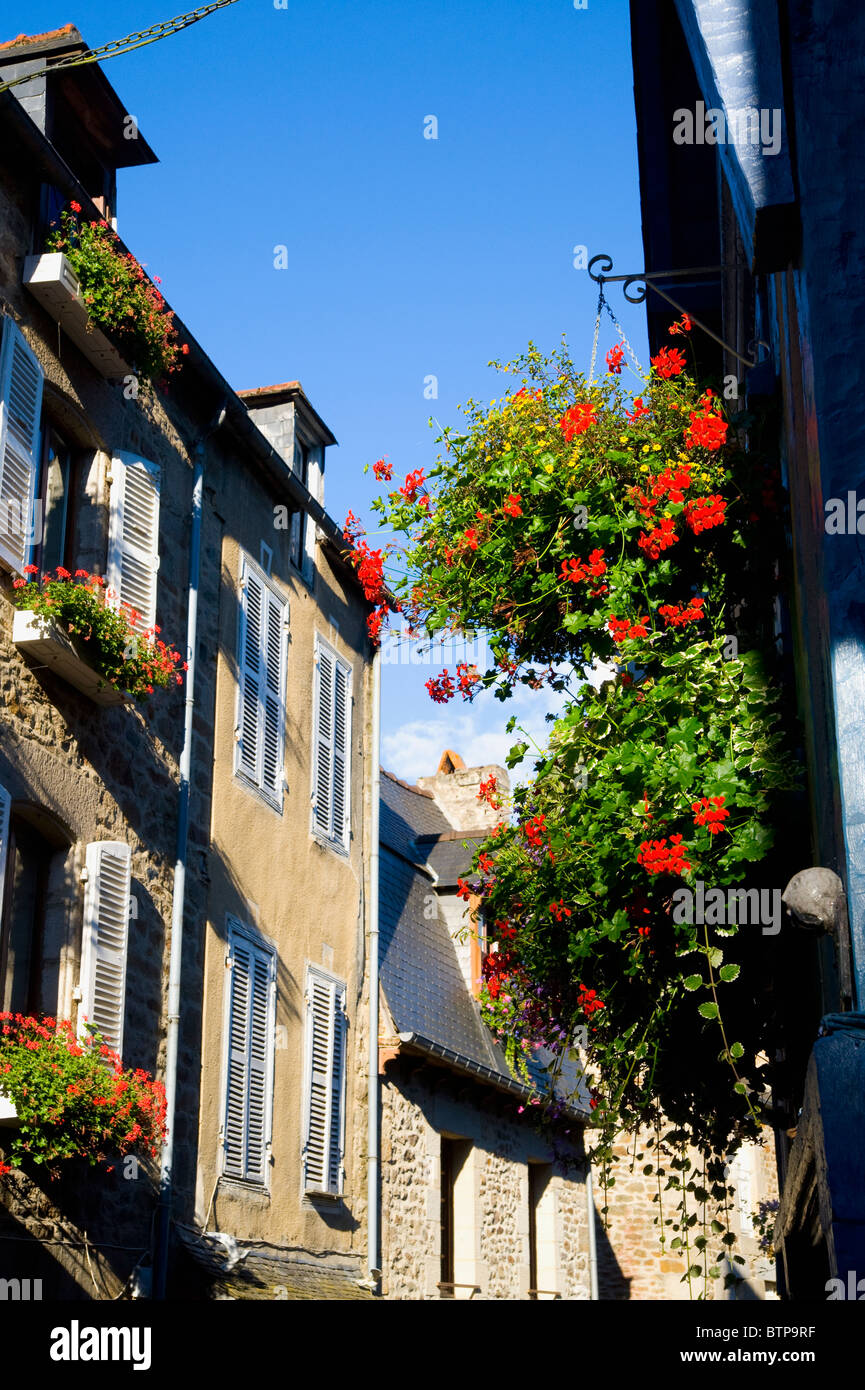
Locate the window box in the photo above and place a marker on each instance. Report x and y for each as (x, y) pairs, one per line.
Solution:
(42, 640)
(51, 279)
(8, 1113)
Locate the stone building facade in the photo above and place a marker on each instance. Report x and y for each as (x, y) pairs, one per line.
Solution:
(474, 1202)
(274, 902)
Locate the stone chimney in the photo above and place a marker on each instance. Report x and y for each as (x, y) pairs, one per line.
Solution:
(455, 789)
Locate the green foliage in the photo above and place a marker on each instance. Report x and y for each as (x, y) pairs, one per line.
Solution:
(73, 1097)
(112, 638)
(119, 296)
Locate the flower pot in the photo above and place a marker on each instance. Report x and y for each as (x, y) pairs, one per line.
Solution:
(46, 644)
(8, 1113)
(51, 279)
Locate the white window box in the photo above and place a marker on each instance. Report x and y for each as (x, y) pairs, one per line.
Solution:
(44, 641)
(51, 279)
(8, 1113)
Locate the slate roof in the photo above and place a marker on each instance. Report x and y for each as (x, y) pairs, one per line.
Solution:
(420, 974)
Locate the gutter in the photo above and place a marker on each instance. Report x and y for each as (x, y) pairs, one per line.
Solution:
(374, 1089)
(416, 1042)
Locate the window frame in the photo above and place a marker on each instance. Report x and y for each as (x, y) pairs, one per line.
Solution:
(340, 844)
(263, 948)
(338, 1018)
(256, 784)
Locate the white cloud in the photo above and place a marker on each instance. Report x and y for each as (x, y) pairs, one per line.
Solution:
(476, 731)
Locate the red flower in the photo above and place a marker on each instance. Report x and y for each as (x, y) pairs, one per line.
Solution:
(588, 1001)
(185, 349)
(383, 470)
(31, 569)
(675, 616)
(512, 506)
(623, 629)
(705, 512)
(441, 689)
(657, 857)
(535, 830)
(661, 538)
(575, 570)
(577, 420)
(669, 362)
(638, 411)
(412, 485)
(615, 358)
(706, 431)
(682, 325)
(63, 573)
(76, 207)
(464, 890)
(488, 792)
(710, 812)
(471, 537)
(559, 911)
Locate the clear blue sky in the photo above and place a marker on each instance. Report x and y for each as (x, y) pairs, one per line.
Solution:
(409, 257)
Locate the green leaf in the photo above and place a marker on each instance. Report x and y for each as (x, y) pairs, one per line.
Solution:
(737, 1050)
(709, 1009)
(693, 981)
(728, 973)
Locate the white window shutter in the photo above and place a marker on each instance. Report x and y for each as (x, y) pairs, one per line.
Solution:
(133, 534)
(246, 1133)
(315, 486)
(20, 406)
(106, 933)
(341, 752)
(324, 1101)
(323, 741)
(273, 696)
(250, 673)
(261, 692)
(5, 804)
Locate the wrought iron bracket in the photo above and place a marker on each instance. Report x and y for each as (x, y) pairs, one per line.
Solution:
(645, 281)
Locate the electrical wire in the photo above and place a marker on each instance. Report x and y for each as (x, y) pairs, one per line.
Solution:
(117, 47)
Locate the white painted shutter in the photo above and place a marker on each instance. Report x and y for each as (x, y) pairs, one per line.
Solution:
(250, 1059)
(341, 752)
(315, 485)
(273, 696)
(106, 933)
(323, 1144)
(20, 405)
(323, 741)
(250, 730)
(5, 804)
(133, 533)
(261, 694)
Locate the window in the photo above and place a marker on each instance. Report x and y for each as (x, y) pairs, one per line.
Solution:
(133, 534)
(107, 905)
(262, 643)
(543, 1263)
(55, 502)
(249, 1066)
(324, 1118)
(20, 405)
(458, 1242)
(331, 747)
(299, 519)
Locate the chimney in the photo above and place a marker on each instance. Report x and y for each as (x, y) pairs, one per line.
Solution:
(455, 789)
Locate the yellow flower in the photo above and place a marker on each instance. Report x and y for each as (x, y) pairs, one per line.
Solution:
(644, 468)
(656, 448)
(548, 468)
(623, 439)
(645, 449)
(706, 478)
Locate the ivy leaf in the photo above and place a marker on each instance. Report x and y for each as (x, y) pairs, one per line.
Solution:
(729, 972)
(709, 1009)
(693, 981)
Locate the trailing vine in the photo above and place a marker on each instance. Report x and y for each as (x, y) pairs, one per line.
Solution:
(631, 890)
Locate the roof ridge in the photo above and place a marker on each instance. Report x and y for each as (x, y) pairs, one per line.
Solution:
(419, 791)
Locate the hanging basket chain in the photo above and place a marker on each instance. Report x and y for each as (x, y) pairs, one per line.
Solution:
(602, 305)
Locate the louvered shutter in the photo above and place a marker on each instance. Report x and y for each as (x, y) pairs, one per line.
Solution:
(273, 687)
(106, 932)
(315, 485)
(250, 730)
(341, 737)
(323, 1144)
(20, 405)
(250, 1050)
(5, 803)
(133, 535)
(323, 743)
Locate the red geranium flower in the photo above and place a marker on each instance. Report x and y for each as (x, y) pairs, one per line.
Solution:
(669, 362)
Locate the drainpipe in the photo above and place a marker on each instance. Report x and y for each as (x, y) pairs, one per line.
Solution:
(593, 1246)
(373, 1095)
(162, 1225)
